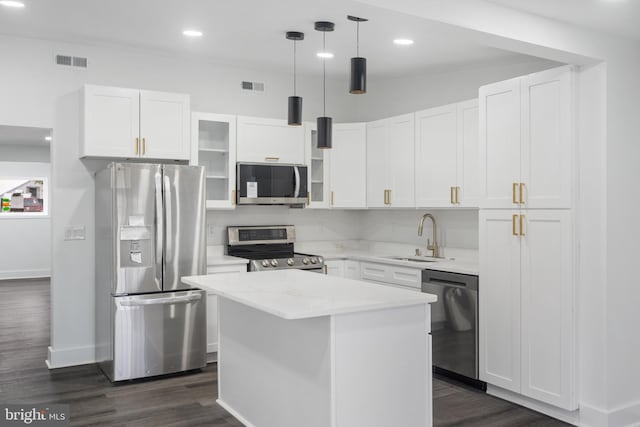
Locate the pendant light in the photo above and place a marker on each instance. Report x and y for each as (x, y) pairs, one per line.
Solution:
(295, 102)
(324, 123)
(358, 81)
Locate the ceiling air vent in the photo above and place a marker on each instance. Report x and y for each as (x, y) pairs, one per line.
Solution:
(255, 87)
(72, 61)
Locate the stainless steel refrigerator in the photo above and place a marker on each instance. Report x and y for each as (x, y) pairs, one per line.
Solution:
(150, 232)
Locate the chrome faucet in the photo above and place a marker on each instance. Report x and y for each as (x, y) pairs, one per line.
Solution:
(430, 247)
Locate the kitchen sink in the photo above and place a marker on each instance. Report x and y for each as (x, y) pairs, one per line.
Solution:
(415, 258)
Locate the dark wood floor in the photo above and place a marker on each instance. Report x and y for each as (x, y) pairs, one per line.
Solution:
(183, 400)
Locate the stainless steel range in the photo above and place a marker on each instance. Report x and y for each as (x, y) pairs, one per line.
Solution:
(270, 248)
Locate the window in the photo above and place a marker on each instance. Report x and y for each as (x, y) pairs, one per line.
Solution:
(23, 196)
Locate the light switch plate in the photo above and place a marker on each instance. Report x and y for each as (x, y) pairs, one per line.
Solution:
(74, 232)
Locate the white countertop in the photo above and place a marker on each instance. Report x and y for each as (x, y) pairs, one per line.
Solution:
(449, 264)
(297, 294)
(219, 260)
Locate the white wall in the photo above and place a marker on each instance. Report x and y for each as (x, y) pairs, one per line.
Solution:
(25, 153)
(25, 242)
(395, 96)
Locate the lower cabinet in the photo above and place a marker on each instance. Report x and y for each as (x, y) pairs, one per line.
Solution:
(527, 319)
(212, 309)
(391, 275)
(343, 268)
(335, 267)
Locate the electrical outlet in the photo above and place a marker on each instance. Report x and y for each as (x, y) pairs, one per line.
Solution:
(74, 232)
(211, 232)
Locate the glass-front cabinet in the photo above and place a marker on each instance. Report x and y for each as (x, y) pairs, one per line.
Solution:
(213, 145)
(318, 163)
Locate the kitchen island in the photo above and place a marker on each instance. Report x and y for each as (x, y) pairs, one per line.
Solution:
(300, 348)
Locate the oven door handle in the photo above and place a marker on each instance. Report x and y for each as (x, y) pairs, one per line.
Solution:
(296, 191)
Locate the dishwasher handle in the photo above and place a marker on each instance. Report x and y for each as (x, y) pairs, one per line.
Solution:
(443, 278)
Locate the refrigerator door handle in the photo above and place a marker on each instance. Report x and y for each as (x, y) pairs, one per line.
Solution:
(296, 191)
(159, 218)
(161, 301)
(169, 219)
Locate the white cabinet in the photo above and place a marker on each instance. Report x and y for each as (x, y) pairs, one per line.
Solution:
(343, 268)
(318, 169)
(164, 125)
(352, 269)
(335, 268)
(213, 146)
(526, 141)
(348, 166)
(446, 156)
(270, 140)
(392, 275)
(212, 306)
(390, 165)
(526, 303)
(130, 123)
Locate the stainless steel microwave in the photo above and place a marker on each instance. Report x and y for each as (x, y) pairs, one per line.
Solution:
(269, 184)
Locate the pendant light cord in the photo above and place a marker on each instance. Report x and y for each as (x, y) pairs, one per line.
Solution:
(294, 68)
(324, 76)
(357, 38)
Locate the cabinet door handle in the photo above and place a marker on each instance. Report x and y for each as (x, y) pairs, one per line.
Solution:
(384, 197)
(332, 198)
(271, 159)
(451, 195)
(308, 198)
(522, 225)
(522, 193)
(389, 197)
(457, 195)
(137, 146)
(513, 224)
(144, 146)
(233, 197)
(514, 190)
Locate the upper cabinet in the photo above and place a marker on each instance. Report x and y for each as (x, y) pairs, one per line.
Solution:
(214, 147)
(130, 123)
(390, 166)
(348, 166)
(446, 156)
(270, 140)
(318, 163)
(526, 141)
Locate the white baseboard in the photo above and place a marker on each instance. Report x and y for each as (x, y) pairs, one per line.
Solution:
(570, 417)
(62, 358)
(24, 274)
(625, 416)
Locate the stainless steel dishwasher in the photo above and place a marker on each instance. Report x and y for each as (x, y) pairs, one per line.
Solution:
(454, 324)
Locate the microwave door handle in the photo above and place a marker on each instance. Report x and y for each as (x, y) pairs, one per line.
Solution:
(296, 192)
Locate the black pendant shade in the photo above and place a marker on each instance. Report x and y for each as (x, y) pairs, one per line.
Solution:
(358, 81)
(325, 131)
(294, 111)
(324, 126)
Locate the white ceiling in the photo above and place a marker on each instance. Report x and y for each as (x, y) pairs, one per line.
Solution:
(620, 17)
(14, 135)
(250, 33)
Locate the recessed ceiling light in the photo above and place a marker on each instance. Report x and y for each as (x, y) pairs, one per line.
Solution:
(47, 138)
(192, 33)
(403, 42)
(324, 55)
(9, 3)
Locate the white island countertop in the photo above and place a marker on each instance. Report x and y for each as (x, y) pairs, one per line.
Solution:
(297, 294)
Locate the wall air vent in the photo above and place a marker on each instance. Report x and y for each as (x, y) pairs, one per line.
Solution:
(254, 87)
(72, 61)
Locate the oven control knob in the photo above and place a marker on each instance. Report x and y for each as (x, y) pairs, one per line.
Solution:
(290, 261)
(265, 263)
(314, 260)
(305, 260)
(274, 262)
